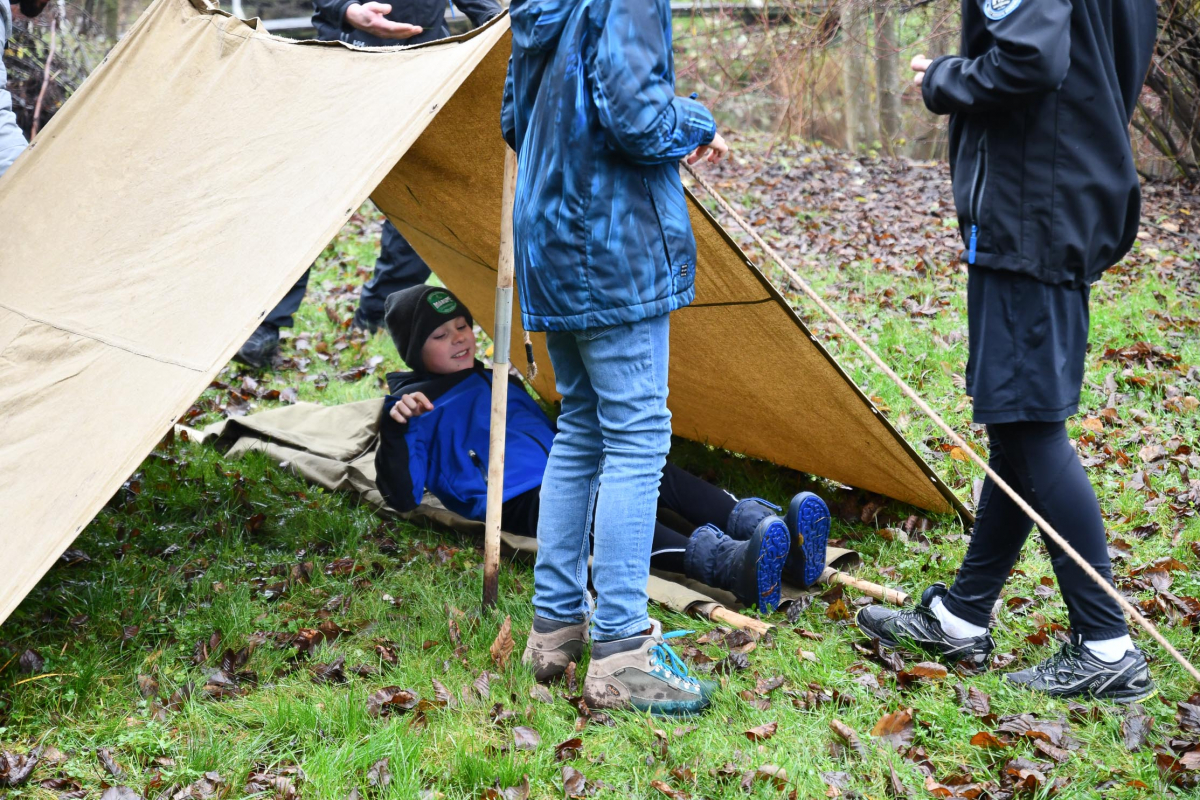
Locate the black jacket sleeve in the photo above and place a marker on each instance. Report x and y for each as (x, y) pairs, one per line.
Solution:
(333, 12)
(1030, 56)
(392, 473)
(478, 11)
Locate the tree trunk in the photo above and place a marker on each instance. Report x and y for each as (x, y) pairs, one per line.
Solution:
(887, 55)
(857, 112)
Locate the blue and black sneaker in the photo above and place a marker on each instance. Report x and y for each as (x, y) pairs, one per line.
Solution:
(751, 569)
(808, 521)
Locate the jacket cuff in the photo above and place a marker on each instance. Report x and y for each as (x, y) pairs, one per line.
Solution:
(928, 90)
(697, 122)
(341, 17)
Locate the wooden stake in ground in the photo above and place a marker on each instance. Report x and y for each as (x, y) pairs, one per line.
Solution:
(501, 338)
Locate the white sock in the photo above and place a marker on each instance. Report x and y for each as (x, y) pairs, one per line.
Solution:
(1110, 650)
(957, 627)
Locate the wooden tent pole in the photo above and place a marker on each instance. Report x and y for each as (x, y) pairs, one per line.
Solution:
(502, 339)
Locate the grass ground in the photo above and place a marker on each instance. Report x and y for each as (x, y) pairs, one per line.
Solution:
(221, 628)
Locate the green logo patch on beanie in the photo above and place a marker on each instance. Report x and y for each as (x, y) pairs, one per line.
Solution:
(442, 302)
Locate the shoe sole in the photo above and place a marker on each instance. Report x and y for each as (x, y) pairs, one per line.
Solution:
(1120, 698)
(1123, 698)
(774, 544)
(809, 521)
(671, 708)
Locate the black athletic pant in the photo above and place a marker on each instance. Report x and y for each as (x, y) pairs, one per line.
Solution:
(1037, 460)
(682, 493)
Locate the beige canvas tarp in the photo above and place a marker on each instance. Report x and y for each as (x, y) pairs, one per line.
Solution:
(204, 165)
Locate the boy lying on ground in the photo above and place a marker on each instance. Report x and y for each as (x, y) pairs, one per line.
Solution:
(435, 437)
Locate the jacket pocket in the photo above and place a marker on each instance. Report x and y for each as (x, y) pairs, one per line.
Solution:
(658, 217)
(978, 187)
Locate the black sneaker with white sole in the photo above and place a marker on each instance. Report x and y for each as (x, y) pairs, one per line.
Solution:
(1075, 671)
(919, 629)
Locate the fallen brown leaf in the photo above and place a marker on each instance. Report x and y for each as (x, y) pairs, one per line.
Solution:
(525, 738)
(762, 732)
(502, 647)
(847, 735)
(895, 728)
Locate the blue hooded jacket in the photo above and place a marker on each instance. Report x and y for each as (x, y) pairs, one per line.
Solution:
(446, 450)
(601, 221)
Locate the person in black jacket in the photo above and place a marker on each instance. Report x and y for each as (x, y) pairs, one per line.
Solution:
(383, 25)
(1047, 196)
(369, 24)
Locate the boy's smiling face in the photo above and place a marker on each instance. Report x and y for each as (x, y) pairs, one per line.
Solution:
(450, 348)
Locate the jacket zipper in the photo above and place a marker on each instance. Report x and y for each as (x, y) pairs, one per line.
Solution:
(977, 188)
(478, 462)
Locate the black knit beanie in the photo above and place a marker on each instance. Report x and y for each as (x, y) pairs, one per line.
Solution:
(413, 313)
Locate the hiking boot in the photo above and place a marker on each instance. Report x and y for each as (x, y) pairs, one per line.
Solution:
(552, 646)
(750, 569)
(642, 672)
(260, 347)
(918, 628)
(808, 521)
(1075, 671)
(363, 322)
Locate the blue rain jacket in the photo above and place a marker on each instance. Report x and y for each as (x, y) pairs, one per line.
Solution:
(601, 223)
(446, 450)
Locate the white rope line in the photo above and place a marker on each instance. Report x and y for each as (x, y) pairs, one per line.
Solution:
(1045, 526)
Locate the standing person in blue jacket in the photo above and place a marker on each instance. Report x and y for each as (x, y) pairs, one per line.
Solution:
(12, 141)
(604, 252)
(1048, 199)
(404, 22)
(434, 436)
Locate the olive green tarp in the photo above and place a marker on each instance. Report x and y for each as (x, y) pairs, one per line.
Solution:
(205, 164)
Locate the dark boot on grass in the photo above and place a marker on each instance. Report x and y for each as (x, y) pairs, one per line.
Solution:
(807, 523)
(919, 629)
(259, 350)
(363, 322)
(552, 646)
(751, 569)
(643, 673)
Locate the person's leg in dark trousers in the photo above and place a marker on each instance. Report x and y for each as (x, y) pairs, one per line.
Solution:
(260, 348)
(398, 267)
(1036, 459)
(694, 499)
(282, 316)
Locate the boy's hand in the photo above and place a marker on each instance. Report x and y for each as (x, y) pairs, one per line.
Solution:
(919, 65)
(409, 406)
(371, 18)
(713, 152)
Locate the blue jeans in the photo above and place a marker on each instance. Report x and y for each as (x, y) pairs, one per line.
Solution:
(606, 463)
